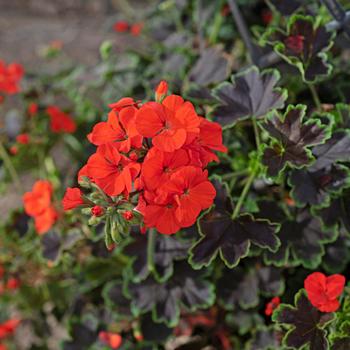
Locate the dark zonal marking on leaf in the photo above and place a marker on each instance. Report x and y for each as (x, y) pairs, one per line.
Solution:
(211, 67)
(186, 287)
(242, 287)
(250, 95)
(167, 250)
(306, 324)
(315, 188)
(302, 242)
(303, 46)
(230, 238)
(291, 139)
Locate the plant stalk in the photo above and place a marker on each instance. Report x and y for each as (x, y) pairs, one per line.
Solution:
(151, 243)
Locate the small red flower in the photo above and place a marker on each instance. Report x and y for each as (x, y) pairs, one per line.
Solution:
(72, 198)
(3, 347)
(112, 171)
(8, 328)
(97, 210)
(60, 121)
(33, 109)
(121, 26)
(295, 43)
(113, 340)
(13, 150)
(136, 29)
(266, 16)
(10, 77)
(37, 204)
(13, 283)
(272, 305)
(323, 291)
(2, 271)
(23, 139)
(161, 90)
(128, 215)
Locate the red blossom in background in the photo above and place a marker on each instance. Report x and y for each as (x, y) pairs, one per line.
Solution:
(23, 139)
(60, 121)
(8, 328)
(113, 340)
(323, 291)
(272, 305)
(121, 26)
(72, 198)
(136, 29)
(37, 204)
(10, 76)
(33, 109)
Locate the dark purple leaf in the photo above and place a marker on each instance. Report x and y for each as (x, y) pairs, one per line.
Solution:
(115, 299)
(264, 338)
(186, 287)
(152, 331)
(305, 324)
(291, 139)
(286, 7)
(51, 245)
(341, 343)
(250, 95)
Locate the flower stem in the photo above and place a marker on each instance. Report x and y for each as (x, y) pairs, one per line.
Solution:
(315, 97)
(11, 169)
(256, 133)
(234, 174)
(151, 243)
(243, 195)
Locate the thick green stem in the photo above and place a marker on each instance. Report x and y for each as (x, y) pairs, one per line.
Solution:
(315, 97)
(243, 195)
(151, 243)
(11, 169)
(216, 27)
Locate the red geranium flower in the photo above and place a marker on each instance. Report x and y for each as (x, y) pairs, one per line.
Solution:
(60, 121)
(22, 139)
(272, 305)
(161, 90)
(37, 204)
(7, 328)
(323, 291)
(136, 29)
(114, 340)
(169, 123)
(112, 171)
(13, 283)
(72, 198)
(120, 128)
(121, 26)
(33, 109)
(10, 77)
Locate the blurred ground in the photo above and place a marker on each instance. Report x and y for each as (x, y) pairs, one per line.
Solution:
(27, 26)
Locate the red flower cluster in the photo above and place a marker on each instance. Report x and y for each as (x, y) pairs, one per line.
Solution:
(272, 305)
(37, 204)
(323, 291)
(113, 340)
(23, 139)
(11, 283)
(10, 76)
(7, 328)
(60, 121)
(159, 150)
(123, 27)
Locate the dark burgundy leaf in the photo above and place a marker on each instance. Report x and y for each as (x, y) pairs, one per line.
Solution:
(186, 287)
(264, 338)
(286, 7)
(242, 287)
(270, 210)
(154, 332)
(305, 324)
(230, 238)
(250, 95)
(115, 299)
(167, 250)
(291, 139)
(314, 188)
(51, 245)
(336, 149)
(341, 343)
(211, 67)
(304, 45)
(302, 242)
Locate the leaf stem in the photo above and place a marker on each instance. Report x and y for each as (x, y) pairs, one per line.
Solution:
(315, 97)
(11, 169)
(233, 174)
(151, 243)
(243, 195)
(216, 26)
(256, 133)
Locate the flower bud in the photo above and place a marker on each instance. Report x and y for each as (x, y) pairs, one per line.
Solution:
(161, 90)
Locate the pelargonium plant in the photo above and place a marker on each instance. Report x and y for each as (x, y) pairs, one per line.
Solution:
(188, 194)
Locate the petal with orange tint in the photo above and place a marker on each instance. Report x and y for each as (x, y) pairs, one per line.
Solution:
(148, 121)
(170, 140)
